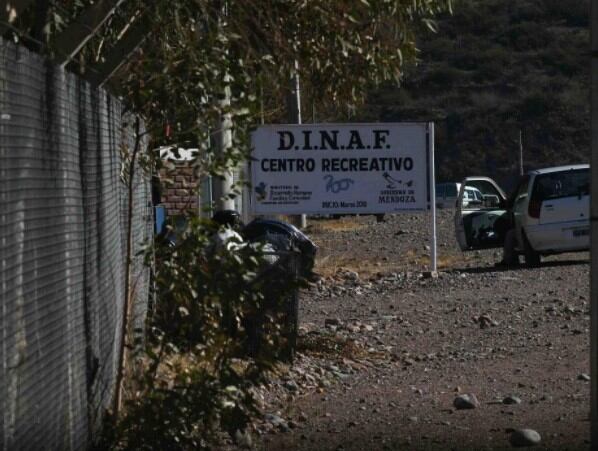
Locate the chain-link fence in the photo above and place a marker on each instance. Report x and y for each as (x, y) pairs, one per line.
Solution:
(62, 252)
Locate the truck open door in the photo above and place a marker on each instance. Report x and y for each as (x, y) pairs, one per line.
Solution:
(481, 216)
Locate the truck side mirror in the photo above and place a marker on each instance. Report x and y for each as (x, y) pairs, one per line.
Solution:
(491, 201)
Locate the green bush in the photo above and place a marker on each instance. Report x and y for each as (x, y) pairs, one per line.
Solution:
(446, 75)
(527, 36)
(574, 12)
(197, 374)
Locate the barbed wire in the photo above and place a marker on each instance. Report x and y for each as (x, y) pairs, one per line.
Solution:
(20, 34)
(42, 48)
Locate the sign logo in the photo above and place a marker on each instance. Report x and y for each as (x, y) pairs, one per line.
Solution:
(392, 182)
(336, 186)
(261, 191)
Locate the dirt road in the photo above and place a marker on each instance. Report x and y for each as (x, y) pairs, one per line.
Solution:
(385, 350)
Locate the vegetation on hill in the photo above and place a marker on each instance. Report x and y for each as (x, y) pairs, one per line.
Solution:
(496, 67)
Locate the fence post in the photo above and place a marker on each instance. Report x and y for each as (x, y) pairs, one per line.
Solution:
(126, 312)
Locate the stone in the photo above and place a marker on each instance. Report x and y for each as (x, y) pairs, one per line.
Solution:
(485, 321)
(466, 401)
(524, 437)
(243, 439)
(291, 386)
(351, 275)
(276, 420)
(511, 399)
(332, 322)
(324, 383)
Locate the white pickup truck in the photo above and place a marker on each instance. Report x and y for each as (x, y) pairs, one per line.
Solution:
(548, 213)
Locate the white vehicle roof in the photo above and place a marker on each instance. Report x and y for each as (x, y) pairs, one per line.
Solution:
(559, 169)
(448, 183)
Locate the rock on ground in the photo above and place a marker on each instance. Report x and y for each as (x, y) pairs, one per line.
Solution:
(466, 401)
(524, 437)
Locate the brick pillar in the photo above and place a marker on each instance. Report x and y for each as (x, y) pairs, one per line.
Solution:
(181, 193)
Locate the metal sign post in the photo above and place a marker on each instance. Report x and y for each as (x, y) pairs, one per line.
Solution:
(294, 112)
(432, 188)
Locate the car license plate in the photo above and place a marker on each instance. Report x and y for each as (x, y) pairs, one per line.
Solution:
(581, 232)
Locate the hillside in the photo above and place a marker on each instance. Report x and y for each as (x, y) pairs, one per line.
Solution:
(496, 67)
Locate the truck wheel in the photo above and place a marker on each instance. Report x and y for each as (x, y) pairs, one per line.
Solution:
(532, 258)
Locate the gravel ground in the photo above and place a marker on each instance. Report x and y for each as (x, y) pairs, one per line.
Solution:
(385, 348)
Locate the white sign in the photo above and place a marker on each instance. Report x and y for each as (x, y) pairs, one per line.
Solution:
(341, 168)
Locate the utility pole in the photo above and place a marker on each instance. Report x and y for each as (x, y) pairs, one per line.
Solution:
(520, 153)
(294, 114)
(594, 224)
(222, 186)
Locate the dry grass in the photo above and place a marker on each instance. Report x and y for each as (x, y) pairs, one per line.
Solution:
(329, 345)
(369, 266)
(344, 224)
(330, 265)
(445, 262)
(334, 346)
